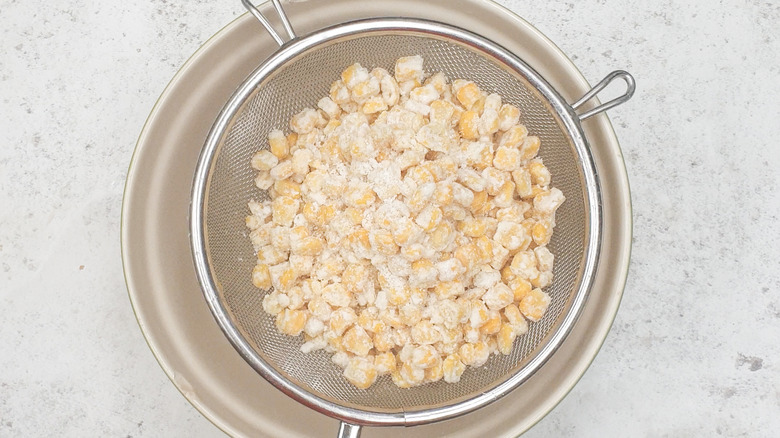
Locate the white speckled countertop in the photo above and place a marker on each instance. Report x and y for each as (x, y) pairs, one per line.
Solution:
(695, 348)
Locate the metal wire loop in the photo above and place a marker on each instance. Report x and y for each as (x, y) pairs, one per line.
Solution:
(267, 25)
(630, 88)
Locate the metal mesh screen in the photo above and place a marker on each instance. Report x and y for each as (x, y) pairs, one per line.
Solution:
(300, 83)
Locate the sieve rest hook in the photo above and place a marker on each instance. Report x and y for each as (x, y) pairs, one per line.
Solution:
(630, 88)
(267, 25)
(347, 430)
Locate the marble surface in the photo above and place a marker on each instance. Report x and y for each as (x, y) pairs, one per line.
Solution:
(695, 348)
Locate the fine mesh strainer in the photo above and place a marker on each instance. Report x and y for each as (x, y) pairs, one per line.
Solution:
(295, 77)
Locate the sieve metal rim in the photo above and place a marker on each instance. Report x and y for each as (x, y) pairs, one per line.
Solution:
(563, 110)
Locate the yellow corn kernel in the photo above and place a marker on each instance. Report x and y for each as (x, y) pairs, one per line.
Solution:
(283, 210)
(353, 277)
(425, 356)
(405, 231)
(264, 160)
(484, 248)
(263, 180)
(443, 194)
(530, 147)
(520, 287)
(384, 363)
(442, 236)
(523, 183)
(492, 325)
(429, 218)
(339, 93)
(480, 204)
(468, 126)
(420, 175)
(382, 242)
(468, 95)
(336, 295)
(308, 246)
(410, 314)
(448, 289)
(330, 151)
(357, 341)
(516, 319)
(359, 239)
(291, 322)
(360, 372)
(507, 275)
(442, 112)
(342, 319)
(305, 121)
(270, 255)
(287, 188)
(508, 116)
(524, 264)
(452, 368)
(425, 333)
(292, 139)
(360, 196)
(409, 375)
(468, 256)
(374, 105)
(543, 279)
(473, 227)
(474, 354)
(512, 236)
(409, 68)
(505, 338)
(354, 75)
(434, 373)
(505, 196)
(383, 342)
(534, 305)
(506, 158)
(479, 105)
(277, 143)
(514, 137)
(541, 232)
(540, 175)
(261, 277)
(397, 295)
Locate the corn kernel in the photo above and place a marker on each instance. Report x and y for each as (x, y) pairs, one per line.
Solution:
(508, 116)
(448, 289)
(284, 209)
(520, 287)
(514, 137)
(374, 105)
(442, 236)
(336, 295)
(442, 112)
(360, 372)
(409, 68)
(541, 232)
(261, 277)
(505, 196)
(354, 74)
(383, 342)
(468, 126)
(506, 158)
(287, 188)
(468, 95)
(271, 256)
(534, 305)
(360, 196)
(341, 319)
(384, 363)
(283, 170)
(391, 92)
(263, 180)
(524, 265)
(424, 333)
(493, 324)
(505, 338)
(429, 218)
(291, 322)
(277, 143)
(512, 236)
(530, 147)
(452, 368)
(264, 160)
(357, 341)
(382, 242)
(474, 354)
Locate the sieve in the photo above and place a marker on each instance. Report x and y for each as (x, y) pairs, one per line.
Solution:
(296, 76)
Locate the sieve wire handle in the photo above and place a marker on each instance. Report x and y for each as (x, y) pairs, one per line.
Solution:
(267, 25)
(347, 430)
(623, 98)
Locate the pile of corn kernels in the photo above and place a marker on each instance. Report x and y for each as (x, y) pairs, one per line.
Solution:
(407, 226)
